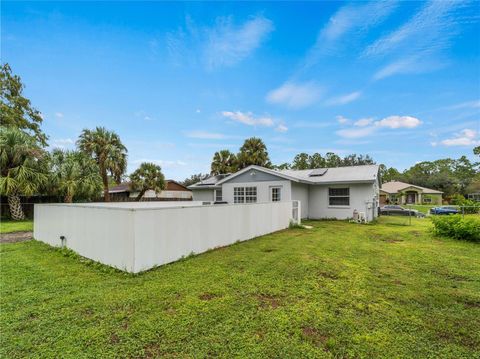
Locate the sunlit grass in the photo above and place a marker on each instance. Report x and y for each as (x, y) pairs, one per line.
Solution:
(336, 290)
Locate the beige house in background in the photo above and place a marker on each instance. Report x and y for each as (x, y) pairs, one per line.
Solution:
(396, 192)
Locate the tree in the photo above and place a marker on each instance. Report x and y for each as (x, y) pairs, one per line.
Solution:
(223, 161)
(283, 166)
(108, 151)
(389, 174)
(22, 167)
(148, 176)
(74, 175)
(194, 179)
(317, 161)
(476, 150)
(332, 160)
(16, 110)
(301, 161)
(253, 152)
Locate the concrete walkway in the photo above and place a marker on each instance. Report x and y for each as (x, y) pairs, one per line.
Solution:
(15, 237)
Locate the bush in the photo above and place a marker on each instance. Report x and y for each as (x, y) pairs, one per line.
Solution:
(467, 206)
(457, 227)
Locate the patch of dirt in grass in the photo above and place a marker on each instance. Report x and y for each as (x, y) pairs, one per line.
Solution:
(114, 339)
(268, 301)
(268, 250)
(472, 303)
(314, 335)
(328, 275)
(15, 237)
(207, 296)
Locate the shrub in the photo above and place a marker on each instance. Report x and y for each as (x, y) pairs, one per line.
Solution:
(458, 227)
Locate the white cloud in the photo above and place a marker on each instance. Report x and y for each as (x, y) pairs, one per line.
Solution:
(62, 143)
(295, 95)
(228, 45)
(363, 122)
(356, 132)
(399, 122)
(206, 135)
(468, 104)
(247, 118)
(344, 99)
(417, 44)
(349, 20)
(58, 115)
(281, 128)
(466, 137)
(162, 163)
(198, 110)
(224, 44)
(367, 126)
(342, 120)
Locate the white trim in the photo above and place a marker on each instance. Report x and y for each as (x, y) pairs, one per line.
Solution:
(257, 168)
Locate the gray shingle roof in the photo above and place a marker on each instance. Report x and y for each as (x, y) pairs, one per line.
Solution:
(336, 174)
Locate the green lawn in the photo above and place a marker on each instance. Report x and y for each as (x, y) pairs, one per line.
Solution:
(9, 226)
(339, 290)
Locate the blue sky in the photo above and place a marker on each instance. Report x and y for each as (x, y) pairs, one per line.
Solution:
(178, 81)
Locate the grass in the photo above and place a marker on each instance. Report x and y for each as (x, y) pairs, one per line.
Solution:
(339, 290)
(9, 226)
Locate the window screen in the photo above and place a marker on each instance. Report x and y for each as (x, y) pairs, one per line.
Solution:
(339, 196)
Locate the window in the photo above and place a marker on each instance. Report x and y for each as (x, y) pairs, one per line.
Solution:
(276, 194)
(238, 195)
(250, 194)
(218, 195)
(244, 194)
(339, 196)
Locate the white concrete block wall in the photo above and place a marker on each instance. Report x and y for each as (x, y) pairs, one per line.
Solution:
(151, 234)
(103, 234)
(300, 192)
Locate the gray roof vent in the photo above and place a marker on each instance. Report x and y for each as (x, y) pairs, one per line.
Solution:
(317, 172)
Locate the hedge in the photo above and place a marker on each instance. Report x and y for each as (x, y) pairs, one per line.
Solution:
(457, 227)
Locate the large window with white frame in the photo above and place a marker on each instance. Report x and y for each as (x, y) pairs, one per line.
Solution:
(244, 194)
(339, 196)
(276, 194)
(218, 195)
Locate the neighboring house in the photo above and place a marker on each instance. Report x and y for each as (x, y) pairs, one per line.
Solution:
(396, 192)
(474, 196)
(173, 191)
(323, 192)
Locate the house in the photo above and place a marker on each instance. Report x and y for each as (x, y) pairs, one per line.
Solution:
(405, 193)
(173, 191)
(322, 192)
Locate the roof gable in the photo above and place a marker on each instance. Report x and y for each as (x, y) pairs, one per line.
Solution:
(269, 174)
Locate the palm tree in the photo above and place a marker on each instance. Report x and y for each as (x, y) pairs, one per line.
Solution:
(22, 166)
(253, 152)
(148, 176)
(223, 161)
(74, 174)
(108, 151)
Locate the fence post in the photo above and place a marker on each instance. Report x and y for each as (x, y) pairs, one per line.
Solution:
(463, 211)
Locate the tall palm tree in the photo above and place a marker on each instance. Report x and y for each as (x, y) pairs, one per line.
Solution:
(74, 174)
(108, 151)
(148, 176)
(253, 152)
(223, 161)
(22, 167)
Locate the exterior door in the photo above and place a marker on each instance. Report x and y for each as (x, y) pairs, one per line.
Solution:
(410, 198)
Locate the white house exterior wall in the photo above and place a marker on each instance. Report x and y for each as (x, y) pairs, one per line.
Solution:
(263, 190)
(205, 195)
(360, 194)
(300, 192)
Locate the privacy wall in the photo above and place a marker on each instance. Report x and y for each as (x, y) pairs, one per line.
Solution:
(138, 236)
